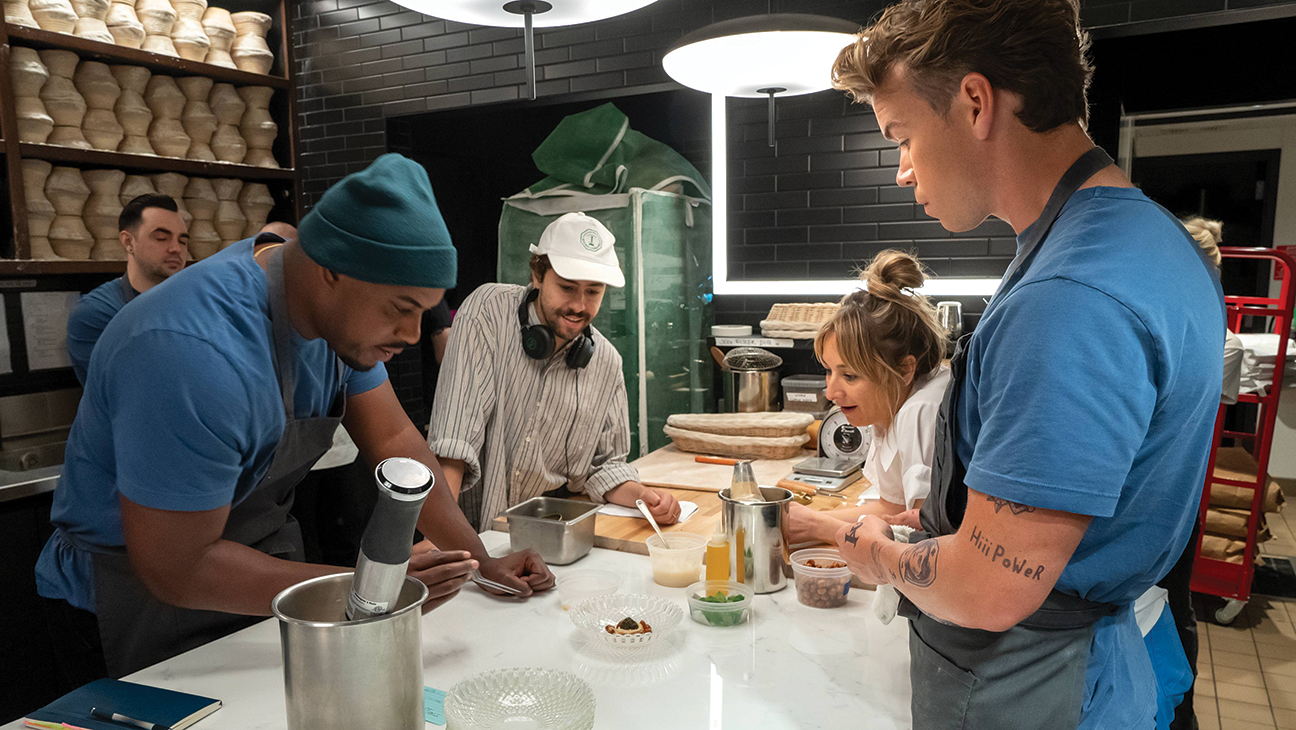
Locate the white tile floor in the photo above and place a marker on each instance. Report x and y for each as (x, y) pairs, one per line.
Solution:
(1247, 671)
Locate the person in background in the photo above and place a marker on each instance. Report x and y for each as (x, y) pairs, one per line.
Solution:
(207, 404)
(1076, 429)
(532, 399)
(157, 244)
(883, 350)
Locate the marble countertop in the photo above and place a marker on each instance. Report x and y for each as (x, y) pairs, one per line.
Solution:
(791, 667)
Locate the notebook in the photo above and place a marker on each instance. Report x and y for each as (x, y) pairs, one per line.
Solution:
(160, 706)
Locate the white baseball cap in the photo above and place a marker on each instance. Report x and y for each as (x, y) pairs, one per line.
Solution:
(580, 249)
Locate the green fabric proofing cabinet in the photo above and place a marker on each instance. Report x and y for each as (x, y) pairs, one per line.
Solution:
(659, 208)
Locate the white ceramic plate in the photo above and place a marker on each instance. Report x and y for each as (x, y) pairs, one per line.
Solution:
(526, 697)
(593, 615)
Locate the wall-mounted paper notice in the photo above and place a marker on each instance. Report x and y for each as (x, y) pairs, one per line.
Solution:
(45, 316)
(6, 364)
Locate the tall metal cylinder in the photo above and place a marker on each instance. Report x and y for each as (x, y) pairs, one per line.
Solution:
(766, 558)
(750, 391)
(341, 674)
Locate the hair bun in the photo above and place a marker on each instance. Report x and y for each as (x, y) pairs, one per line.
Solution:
(890, 273)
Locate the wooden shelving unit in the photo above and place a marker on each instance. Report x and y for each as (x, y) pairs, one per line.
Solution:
(283, 109)
(149, 163)
(157, 63)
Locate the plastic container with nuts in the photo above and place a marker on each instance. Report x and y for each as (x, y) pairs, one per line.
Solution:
(822, 578)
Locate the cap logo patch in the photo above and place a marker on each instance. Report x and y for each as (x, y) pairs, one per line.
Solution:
(591, 239)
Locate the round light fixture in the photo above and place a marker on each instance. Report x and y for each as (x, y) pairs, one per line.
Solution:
(525, 14)
(555, 12)
(748, 57)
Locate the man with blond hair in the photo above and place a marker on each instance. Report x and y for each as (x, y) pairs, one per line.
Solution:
(1073, 439)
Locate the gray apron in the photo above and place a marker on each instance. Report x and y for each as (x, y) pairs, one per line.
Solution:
(1032, 675)
(128, 292)
(136, 629)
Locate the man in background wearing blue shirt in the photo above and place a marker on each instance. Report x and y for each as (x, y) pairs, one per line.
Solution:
(1073, 439)
(156, 240)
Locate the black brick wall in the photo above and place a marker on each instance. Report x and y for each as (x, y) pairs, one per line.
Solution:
(815, 206)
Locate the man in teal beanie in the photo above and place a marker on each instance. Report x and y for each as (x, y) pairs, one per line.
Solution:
(207, 401)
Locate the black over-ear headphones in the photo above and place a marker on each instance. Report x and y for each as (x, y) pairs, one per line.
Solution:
(539, 340)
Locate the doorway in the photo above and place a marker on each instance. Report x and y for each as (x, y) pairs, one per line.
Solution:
(1238, 188)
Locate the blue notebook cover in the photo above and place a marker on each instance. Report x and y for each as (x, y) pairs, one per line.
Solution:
(160, 706)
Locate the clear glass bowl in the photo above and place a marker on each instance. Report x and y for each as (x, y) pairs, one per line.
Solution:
(594, 615)
(575, 586)
(523, 697)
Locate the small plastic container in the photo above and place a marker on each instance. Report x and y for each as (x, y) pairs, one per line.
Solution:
(577, 585)
(821, 587)
(678, 562)
(805, 393)
(730, 613)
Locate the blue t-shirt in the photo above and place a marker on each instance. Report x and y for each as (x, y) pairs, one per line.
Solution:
(182, 410)
(1092, 388)
(87, 322)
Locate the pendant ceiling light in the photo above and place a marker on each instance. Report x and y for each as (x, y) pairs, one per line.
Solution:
(526, 14)
(755, 57)
(761, 56)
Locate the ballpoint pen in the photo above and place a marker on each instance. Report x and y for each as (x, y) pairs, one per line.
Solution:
(114, 717)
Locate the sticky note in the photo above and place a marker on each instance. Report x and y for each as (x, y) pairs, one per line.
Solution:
(434, 705)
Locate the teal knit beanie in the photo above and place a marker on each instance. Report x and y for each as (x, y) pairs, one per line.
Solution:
(382, 225)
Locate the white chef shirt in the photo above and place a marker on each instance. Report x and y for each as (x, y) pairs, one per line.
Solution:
(899, 463)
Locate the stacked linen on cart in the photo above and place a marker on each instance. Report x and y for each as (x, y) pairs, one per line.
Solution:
(1260, 350)
(1225, 532)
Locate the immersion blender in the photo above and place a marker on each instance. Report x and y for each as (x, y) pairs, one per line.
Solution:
(403, 484)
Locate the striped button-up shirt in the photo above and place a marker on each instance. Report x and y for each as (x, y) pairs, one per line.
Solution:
(522, 426)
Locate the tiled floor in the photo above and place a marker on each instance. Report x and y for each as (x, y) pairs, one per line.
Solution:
(1247, 671)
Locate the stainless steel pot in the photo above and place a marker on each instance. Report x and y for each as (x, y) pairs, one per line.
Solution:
(750, 391)
(766, 555)
(751, 380)
(341, 675)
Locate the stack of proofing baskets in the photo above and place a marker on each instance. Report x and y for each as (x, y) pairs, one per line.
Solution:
(741, 435)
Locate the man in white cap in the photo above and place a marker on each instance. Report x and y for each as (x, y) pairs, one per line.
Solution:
(531, 398)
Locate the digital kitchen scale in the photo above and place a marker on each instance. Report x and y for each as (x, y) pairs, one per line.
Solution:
(828, 474)
(841, 451)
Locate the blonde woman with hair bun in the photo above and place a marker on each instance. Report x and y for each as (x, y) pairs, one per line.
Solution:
(1209, 235)
(883, 350)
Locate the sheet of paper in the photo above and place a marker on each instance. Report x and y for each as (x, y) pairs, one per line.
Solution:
(45, 316)
(6, 362)
(434, 706)
(687, 510)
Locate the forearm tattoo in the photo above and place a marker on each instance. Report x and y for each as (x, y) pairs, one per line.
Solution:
(1016, 507)
(918, 563)
(1000, 556)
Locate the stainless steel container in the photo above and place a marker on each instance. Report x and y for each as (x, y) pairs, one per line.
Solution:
(340, 674)
(750, 391)
(561, 530)
(767, 563)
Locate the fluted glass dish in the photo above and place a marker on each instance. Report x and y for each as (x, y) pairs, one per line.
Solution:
(594, 615)
(522, 698)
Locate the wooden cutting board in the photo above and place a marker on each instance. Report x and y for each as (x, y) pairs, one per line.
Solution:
(675, 469)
